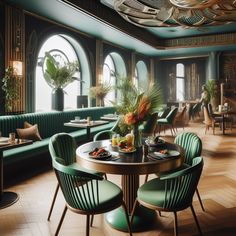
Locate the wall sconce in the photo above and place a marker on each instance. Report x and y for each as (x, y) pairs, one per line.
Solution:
(17, 67)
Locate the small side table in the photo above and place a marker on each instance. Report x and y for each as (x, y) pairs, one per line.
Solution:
(8, 198)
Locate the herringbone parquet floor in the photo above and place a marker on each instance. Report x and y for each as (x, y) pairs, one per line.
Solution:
(217, 188)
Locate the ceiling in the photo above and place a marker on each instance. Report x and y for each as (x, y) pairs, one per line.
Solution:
(97, 18)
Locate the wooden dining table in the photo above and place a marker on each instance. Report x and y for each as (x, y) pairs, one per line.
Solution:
(86, 125)
(7, 198)
(129, 166)
(224, 114)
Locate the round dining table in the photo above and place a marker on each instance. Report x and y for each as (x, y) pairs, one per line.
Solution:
(129, 166)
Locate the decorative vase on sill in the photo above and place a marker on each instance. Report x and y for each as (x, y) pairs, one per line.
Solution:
(137, 136)
(58, 99)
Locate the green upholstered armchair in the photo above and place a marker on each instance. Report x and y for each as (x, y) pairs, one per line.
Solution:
(87, 193)
(62, 148)
(192, 146)
(173, 192)
(168, 121)
(107, 134)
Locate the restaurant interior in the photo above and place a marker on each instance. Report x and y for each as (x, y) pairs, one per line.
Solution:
(117, 117)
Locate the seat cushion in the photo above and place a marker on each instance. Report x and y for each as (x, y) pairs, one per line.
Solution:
(110, 196)
(152, 192)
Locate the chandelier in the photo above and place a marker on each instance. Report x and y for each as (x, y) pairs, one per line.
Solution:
(187, 13)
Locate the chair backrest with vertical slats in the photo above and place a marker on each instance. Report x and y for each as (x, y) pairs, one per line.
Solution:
(181, 186)
(191, 144)
(80, 188)
(63, 147)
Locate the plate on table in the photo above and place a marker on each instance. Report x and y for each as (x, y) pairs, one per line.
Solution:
(163, 154)
(99, 154)
(153, 144)
(79, 121)
(127, 150)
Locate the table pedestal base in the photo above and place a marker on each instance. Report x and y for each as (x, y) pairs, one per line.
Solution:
(143, 219)
(8, 198)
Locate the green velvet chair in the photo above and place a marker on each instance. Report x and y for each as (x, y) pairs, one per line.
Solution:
(63, 146)
(107, 134)
(192, 146)
(149, 126)
(172, 193)
(167, 121)
(87, 193)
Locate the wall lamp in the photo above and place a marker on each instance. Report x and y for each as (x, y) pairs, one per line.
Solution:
(17, 67)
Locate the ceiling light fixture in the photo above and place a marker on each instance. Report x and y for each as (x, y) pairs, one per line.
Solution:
(186, 13)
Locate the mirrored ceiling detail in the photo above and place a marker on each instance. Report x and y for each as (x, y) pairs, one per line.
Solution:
(186, 13)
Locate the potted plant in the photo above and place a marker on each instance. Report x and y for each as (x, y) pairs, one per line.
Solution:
(11, 84)
(58, 75)
(211, 87)
(100, 91)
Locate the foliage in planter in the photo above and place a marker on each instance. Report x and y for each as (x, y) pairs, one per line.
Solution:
(211, 87)
(100, 91)
(59, 75)
(11, 84)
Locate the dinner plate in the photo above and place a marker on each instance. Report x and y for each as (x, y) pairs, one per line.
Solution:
(159, 143)
(124, 151)
(100, 157)
(79, 121)
(159, 155)
(3, 139)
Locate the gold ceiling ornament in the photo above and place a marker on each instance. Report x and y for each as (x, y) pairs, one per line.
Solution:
(187, 13)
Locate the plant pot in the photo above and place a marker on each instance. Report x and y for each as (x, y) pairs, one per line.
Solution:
(58, 99)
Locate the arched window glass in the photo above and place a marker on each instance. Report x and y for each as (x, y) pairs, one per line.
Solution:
(135, 81)
(109, 78)
(180, 84)
(42, 90)
(141, 75)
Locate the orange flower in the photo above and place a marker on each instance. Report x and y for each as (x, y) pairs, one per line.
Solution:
(130, 118)
(143, 107)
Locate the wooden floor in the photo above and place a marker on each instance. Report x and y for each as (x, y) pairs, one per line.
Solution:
(217, 188)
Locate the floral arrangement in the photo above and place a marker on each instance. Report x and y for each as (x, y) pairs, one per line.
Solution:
(136, 106)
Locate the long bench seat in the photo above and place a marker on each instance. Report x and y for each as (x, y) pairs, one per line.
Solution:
(48, 124)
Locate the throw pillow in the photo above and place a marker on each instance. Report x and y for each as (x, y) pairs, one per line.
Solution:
(31, 133)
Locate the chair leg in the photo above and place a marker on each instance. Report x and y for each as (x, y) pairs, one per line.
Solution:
(200, 200)
(53, 201)
(127, 218)
(87, 225)
(196, 220)
(133, 210)
(146, 178)
(175, 224)
(61, 220)
(91, 222)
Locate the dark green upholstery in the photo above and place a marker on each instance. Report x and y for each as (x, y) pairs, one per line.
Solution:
(173, 192)
(150, 125)
(107, 134)
(87, 193)
(164, 113)
(62, 148)
(168, 120)
(191, 144)
(195, 110)
(49, 123)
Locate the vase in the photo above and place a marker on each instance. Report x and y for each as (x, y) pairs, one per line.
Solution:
(137, 136)
(58, 99)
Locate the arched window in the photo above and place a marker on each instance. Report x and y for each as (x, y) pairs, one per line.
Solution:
(141, 75)
(58, 44)
(109, 78)
(113, 67)
(180, 83)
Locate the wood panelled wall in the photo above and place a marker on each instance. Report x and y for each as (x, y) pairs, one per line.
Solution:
(15, 50)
